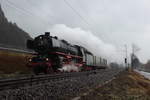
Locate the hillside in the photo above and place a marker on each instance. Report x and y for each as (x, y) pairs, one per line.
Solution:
(11, 34)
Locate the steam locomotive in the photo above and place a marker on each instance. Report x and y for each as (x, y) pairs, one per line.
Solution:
(56, 55)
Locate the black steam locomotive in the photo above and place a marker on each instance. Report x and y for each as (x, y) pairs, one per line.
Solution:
(55, 55)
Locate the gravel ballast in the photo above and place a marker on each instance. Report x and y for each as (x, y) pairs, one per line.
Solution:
(60, 89)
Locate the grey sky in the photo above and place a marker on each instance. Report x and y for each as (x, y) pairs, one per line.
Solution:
(115, 22)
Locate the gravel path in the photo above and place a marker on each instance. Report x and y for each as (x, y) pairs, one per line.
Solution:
(59, 90)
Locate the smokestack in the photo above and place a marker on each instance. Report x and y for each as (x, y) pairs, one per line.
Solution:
(47, 34)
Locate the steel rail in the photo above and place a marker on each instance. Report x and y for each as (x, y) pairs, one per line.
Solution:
(13, 83)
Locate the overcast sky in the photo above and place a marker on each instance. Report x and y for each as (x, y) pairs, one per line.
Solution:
(109, 24)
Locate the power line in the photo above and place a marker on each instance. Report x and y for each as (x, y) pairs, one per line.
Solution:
(81, 17)
(77, 12)
(11, 3)
(31, 4)
(25, 11)
(21, 11)
(93, 22)
(90, 18)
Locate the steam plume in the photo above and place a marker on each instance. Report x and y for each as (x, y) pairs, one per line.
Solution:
(85, 39)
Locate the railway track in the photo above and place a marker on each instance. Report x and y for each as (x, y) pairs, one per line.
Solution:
(13, 83)
(55, 87)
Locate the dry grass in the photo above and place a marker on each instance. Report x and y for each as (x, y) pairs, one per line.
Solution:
(12, 62)
(128, 86)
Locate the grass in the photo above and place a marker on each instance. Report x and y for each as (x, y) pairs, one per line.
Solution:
(12, 62)
(127, 86)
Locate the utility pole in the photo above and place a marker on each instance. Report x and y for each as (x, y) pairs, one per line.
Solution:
(132, 55)
(126, 56)
(135, 49)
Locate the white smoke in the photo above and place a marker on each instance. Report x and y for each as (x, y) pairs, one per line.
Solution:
(69, 68)
(86, 39)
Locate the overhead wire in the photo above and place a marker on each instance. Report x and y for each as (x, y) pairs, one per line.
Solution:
(22, 9)
(81, 17)
(31, 14)
(25, 11)
(31, 4)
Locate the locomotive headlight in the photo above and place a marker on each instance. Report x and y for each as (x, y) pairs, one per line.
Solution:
(30, 59)
(47, 59)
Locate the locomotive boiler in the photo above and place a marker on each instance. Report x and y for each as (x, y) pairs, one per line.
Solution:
(56, 55)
